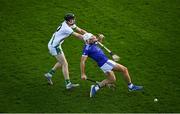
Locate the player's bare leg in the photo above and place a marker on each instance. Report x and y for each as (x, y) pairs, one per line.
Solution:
(127, 77)
(110, 80)
(56, 66)
(51, 72)
(62, 60)
(124, 71)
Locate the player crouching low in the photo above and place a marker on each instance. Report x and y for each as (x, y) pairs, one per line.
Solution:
(92, 50)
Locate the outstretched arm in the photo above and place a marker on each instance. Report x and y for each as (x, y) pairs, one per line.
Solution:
(77, 35)
(80, 31)
(82, 66)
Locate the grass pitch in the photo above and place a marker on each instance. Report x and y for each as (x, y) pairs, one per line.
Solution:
(144, 33)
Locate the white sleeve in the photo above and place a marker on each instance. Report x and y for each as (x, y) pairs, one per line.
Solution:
(68, 31)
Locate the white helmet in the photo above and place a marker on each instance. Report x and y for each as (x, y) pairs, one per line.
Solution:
(87, 36)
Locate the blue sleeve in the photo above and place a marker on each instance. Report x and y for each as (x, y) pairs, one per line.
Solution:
(85, 50)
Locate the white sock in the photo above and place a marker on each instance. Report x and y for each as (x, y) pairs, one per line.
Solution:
(130, 85)
(97, 88)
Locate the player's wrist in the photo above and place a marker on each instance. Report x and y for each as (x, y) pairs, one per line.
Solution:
(111, 53)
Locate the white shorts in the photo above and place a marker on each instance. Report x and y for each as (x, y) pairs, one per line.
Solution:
(55, 50)
(108, 66)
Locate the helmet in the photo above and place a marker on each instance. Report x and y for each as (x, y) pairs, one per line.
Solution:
(87, 36)
(69, 16)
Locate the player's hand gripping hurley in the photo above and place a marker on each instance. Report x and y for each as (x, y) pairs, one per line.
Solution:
(114, 56)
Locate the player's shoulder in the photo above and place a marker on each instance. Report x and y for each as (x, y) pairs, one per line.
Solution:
(94, 45)
(64, 23)
(86, 46)
(65, 27)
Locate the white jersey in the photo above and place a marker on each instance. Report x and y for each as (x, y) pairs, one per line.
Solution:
(63, 31)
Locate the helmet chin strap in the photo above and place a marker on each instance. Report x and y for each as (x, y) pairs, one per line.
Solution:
(94, 42)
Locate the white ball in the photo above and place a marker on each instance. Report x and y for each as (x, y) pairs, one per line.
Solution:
(155, 100)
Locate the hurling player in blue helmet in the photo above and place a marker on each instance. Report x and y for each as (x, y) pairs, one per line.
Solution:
(92, 50)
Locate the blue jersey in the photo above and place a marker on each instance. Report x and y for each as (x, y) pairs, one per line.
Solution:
(96, 53)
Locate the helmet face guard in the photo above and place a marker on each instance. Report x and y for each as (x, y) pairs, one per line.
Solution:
(69, 16)
(87, 36)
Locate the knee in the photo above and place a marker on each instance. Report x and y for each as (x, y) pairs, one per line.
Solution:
(125, 69)
(58, 64)
(63, 63)
(113, 80)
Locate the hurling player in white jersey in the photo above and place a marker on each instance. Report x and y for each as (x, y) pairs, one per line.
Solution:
(63, 31)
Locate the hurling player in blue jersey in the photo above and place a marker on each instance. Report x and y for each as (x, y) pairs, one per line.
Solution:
(92, 50)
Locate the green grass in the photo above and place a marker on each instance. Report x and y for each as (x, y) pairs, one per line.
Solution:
(145, 33)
